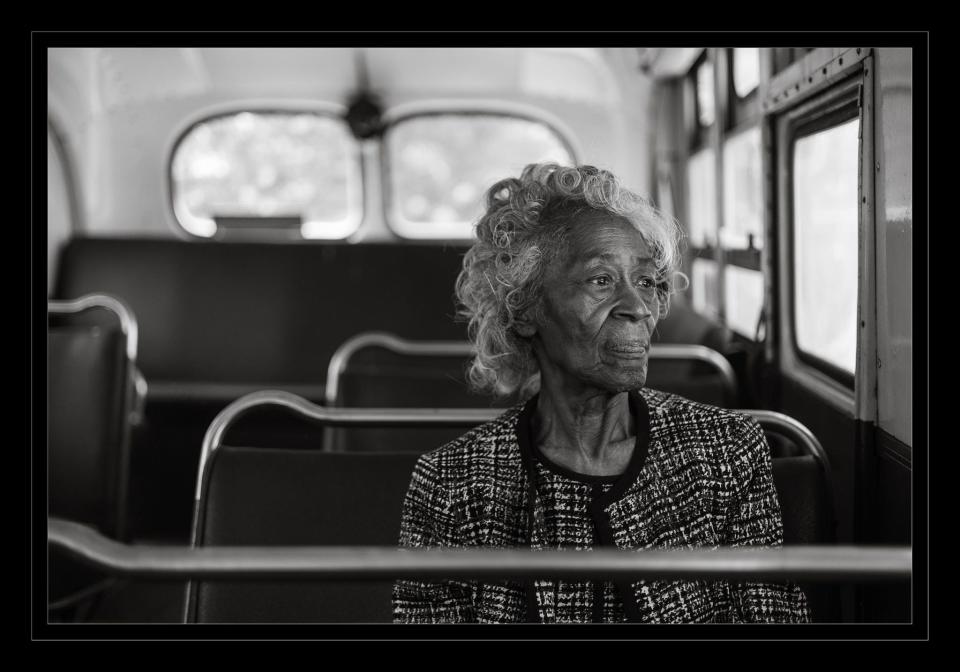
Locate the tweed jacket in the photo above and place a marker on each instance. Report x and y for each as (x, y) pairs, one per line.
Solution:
(700, 477)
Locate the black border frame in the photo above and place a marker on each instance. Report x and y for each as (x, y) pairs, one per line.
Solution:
(35, 41)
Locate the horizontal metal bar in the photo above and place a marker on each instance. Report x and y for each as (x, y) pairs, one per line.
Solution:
(818, 563)
(403, 346)
(686, 351)
(331, 417)
(381, 339)
(162, 391)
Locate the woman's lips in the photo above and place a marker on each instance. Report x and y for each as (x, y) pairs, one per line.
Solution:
(629, 349)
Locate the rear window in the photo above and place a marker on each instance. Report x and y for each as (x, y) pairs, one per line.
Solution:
(439, 167)
(261, 170)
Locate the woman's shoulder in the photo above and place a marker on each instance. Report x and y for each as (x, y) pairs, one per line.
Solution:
(470, 452)
(670, 407)
(721, 434)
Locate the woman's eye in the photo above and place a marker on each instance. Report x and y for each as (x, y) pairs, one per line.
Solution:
(600, 280)
(647, 282)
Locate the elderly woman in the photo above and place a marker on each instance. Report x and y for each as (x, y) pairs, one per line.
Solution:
(563, 289)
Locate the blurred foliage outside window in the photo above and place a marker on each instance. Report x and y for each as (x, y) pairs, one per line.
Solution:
(705, 287)
(440, 167)
(269, 164)
(742, 191)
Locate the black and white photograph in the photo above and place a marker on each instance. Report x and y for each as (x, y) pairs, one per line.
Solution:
(348, 340)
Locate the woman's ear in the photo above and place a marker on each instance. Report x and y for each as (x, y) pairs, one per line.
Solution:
(524, 326)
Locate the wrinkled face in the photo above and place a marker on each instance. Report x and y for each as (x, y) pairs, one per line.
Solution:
(599, 308)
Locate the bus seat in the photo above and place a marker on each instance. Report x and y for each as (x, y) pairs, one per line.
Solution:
(270, 496)
(804, 500)
(380, 369)
(296, 497)
(807, 513)
(262, 313)
(692, 379)
(91, 375)
(682, 324)
(218, 320)
(264, 496)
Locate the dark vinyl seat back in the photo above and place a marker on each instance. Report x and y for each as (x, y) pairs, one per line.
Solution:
(265, 497)
(376, 377)
(90, 402)
(262, 314)
(219, 319)
(85, 423)
(379, 369)
(804, 500)
(694, 379)
(682, 324)
(289, 497)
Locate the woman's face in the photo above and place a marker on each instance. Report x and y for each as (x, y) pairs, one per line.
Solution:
(599, 308)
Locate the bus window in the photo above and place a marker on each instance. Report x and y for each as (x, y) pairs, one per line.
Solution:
(706, 109)
(746, 71)
(704, 287)
(702, 190)
(440, 164)
(742, 299)
(825, 215)
(266, 168)
(742, 234)
(742, 191)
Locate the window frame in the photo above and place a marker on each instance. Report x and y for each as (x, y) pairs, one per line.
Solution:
(700, 136)
(784, 57)
(740, 115)
(386, 161)
(726, 125)
(814, 79)
(743, 112)
(355, 199)
(838, 104)
(66, 167)
(849, 111)
(750, 257)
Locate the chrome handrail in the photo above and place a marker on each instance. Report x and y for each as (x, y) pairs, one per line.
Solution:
(414, 417)
(342, 417)
(128, 323)
(418, 417)
(794, 429)
(813, 563)
(382, 339)
(403, 346)
(681, 351)
(325, 415)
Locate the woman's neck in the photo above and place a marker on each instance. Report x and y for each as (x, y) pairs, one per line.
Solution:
(589, 431)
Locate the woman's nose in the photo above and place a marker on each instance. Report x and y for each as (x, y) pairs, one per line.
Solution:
(632, 305)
